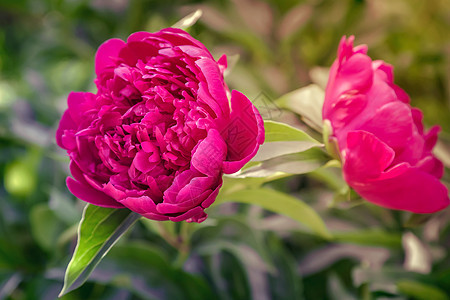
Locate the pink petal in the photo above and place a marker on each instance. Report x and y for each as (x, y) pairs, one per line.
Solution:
(107, 54)
(193, 51)
(64, 139)
(110, 190)
(431, 165)
(142, 205)
(212, 197)
(209, 156)
(139, 36)
(76, 105)
(156, 217)
(418, 119)
(142, 163)
(345, 108)
(91, 195)
(392, 123)
(178, 37)
(190, 202)
(354, 75)
(215, 85)
(365, 156)
(196, 214)
(193, 194)
(243, 133)
(431, 138)
(181, 180)
(134, 51)
(413, 190)
(223, 63)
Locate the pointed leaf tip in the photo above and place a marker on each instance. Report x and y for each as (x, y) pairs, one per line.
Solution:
(99, 229)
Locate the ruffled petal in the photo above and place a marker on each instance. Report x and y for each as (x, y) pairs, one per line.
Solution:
(91, 195)
(107, 54)
(365, 157)
(196, 214)
(215, 86)
(392, 124)
(243, 133)
(208, 157)
(142, 205)
(412, 190)
(64, 139)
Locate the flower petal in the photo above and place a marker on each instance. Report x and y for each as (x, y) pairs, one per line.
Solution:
(365, 157)
(107, 54)
(208, 157)
(195, 214)
(392, 124)
(411, 190)
(91, 195)
(243, 133)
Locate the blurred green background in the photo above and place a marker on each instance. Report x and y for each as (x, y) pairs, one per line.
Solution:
(47, 50)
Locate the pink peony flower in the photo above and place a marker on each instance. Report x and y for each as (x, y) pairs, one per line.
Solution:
(161, 130)
(385, 151)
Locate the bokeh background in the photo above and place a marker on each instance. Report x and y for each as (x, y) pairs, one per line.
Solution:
(47, 49)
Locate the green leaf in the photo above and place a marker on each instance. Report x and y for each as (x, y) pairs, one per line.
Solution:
(282, 139)
(147, 270)
(276, 132)
(45, 226)
(296, 163)
(420, 291)
(319, 76)
(282, 204)
(307, 102)
(275, 149)
(371, 237)
(99, 229)
(287, 150)
(330, 143)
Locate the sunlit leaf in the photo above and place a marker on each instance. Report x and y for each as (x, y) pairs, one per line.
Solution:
(276, 132)
(274, 149)
(319, 76)
(189, 20)
(307, 102)
(296, 163)
(282, 139)
(282, 204)
(99, 229)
